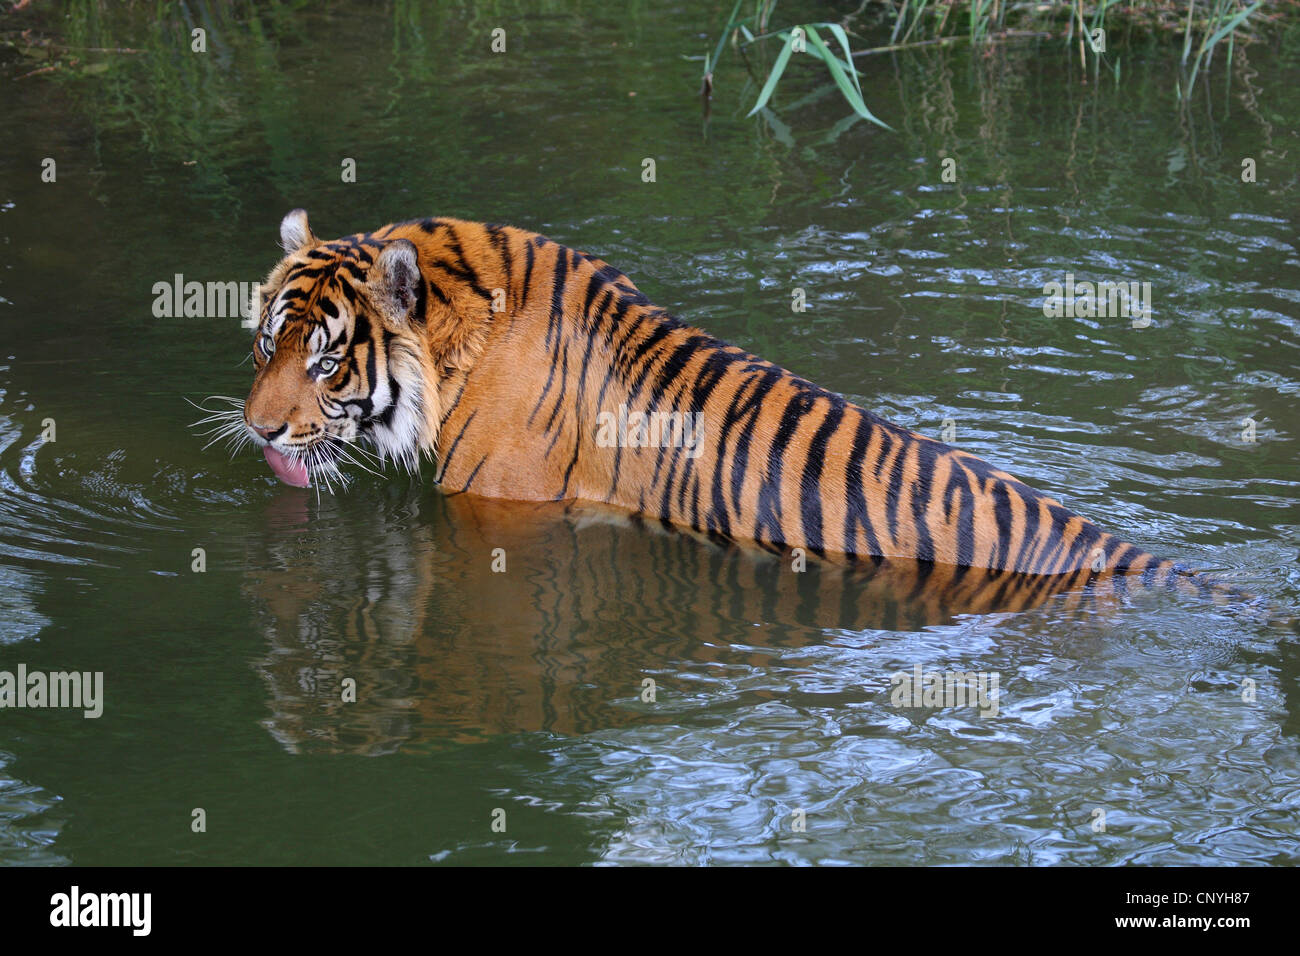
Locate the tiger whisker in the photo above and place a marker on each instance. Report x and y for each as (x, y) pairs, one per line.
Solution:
(344, 453)
(237, 402)
(233, 432)
(221, 420)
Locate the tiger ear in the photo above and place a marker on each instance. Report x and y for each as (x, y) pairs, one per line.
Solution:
(295, 234)
(395, 279)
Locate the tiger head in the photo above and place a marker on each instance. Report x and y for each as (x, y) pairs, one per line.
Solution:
(340, 355)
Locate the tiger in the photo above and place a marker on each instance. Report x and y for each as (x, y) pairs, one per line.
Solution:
(503, 357)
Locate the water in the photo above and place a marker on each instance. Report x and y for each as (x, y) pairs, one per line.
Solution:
(523, 691)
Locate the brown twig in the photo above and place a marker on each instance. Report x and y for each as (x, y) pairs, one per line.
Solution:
(44, 69)
(956, 38)
(99, 49)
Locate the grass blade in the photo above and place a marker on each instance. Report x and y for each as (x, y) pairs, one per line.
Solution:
(847, 87)
(778, 68)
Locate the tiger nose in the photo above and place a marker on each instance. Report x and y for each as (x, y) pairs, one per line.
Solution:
(270, 433)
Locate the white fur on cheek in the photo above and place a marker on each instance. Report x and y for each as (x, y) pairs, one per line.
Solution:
(400, 439)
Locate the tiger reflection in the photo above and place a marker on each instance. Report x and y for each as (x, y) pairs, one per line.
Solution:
(581, 607)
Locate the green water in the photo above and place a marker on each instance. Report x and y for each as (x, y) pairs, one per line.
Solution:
(522, 691)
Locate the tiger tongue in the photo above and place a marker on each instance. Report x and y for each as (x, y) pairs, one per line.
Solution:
(292, 471)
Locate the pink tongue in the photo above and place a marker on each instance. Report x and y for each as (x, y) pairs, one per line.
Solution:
(290, 471)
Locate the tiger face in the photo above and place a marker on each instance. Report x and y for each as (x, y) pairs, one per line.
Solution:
(338, 360)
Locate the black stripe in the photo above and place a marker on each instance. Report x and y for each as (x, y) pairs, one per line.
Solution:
(418, 316)
(810, 487)
(855, 511)
(528, 273)
(769, 492)
(921, 491)
(501, 240)
(894, 487)
(559, 396)
(674, 365)
(470, 480)
(594, 285)
(452, 450)
(1088, 536)
(1060, 518)
(1002, 519)
(959, 483)
(1021, 560)
(751, 410)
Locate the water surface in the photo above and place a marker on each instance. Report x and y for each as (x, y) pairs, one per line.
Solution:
(522, 691)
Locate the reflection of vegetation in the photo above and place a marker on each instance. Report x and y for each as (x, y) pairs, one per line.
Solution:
(989, 19)
(132, 70)
(1224, 21)
(287, 88)
(135, 74)
(1095, 28)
